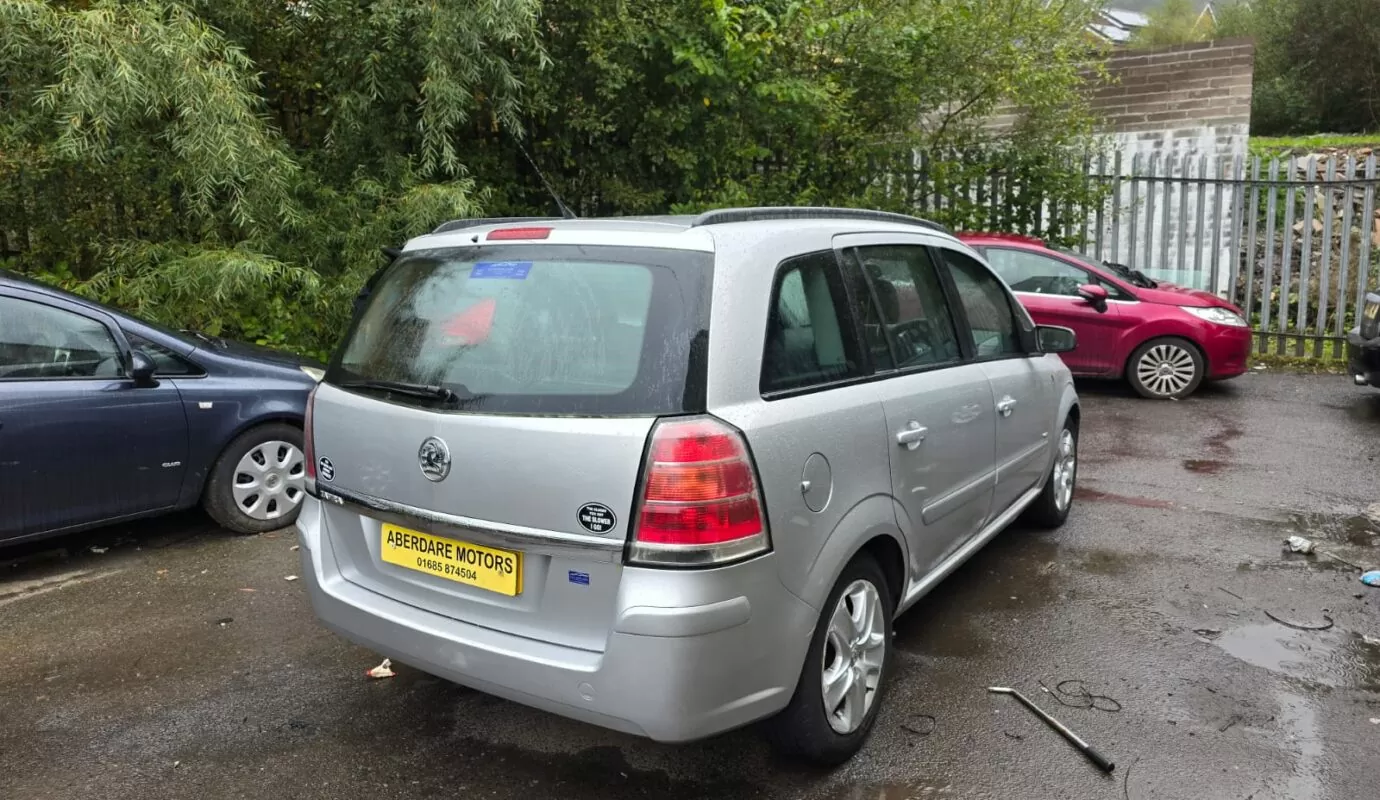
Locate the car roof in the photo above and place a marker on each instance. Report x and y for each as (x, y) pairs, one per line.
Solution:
(992, 237)
(681, 231)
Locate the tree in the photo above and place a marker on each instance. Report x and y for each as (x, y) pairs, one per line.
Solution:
(235, 165)
(1317, 65)
(1174, 22)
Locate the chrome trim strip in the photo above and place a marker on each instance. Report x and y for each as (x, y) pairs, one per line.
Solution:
(494, 534)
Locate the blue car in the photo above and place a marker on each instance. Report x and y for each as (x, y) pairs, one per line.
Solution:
(106, 418)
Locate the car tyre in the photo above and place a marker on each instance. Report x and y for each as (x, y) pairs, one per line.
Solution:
(1052, 507)
(258, 483)
(806, 729)
(1168, 368)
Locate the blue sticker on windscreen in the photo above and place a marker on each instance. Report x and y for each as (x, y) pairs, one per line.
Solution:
(510, 270)
(581, 578)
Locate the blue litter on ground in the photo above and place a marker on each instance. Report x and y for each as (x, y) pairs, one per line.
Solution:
(1371, 578)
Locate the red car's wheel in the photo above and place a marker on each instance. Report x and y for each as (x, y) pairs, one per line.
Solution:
(1166, 368)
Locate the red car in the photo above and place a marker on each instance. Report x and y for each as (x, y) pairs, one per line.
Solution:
(1164, 339)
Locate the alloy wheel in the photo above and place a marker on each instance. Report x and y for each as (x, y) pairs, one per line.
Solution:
(1065, 469)
(854, 651)
(1166, 369)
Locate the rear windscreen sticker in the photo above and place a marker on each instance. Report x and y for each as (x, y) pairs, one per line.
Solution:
(596, 518)
(510, 270)
(472, 326)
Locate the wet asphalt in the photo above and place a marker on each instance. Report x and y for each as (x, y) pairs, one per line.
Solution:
(181, 663)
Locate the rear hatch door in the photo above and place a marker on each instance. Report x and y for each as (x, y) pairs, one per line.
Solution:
(485, 420)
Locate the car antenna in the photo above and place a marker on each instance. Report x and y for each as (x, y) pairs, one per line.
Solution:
(566, 213)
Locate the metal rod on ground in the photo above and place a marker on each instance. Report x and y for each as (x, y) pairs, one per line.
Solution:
(1102, 762)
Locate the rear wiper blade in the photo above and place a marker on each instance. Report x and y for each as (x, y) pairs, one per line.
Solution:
(422, 390)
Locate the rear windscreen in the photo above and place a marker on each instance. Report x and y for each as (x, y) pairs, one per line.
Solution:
(559, 329)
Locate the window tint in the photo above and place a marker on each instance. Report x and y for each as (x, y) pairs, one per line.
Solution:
(165, 361)
(808, 341)
(39, 341)
(538, 329)
(910, 310)
(987, 305)
(1025, 271)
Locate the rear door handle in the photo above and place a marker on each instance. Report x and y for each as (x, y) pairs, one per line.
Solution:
(1006, 405)
(912, 435)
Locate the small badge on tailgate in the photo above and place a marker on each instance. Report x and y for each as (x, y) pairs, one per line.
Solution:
(596, 518)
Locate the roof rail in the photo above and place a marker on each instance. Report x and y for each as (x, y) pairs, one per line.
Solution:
(726, 215)
(461, 224)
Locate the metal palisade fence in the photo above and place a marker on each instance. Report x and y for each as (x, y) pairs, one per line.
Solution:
(1294, 242)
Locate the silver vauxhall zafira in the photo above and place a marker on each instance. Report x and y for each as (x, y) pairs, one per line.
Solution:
(674, 475)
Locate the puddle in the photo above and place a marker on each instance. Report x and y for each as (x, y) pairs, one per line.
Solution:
(1354, 529)
(1093, 495)
(945, 637)
(1299, 722)
(1014, 574)
(1100, 561)
(1208, 466)
(895, 791)
(1328, 658)
(1292, 561)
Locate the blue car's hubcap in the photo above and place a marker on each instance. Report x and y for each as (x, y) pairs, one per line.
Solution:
(270, 480)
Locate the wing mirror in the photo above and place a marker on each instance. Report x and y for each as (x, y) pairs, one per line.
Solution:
(1054, 339)
(141, 369)
(1095, 295)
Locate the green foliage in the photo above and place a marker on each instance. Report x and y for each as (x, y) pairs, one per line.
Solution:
(235, 165)
(1174, 22)
(1317, 64)
(1269, 146)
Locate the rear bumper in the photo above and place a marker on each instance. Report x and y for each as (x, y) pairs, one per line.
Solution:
(1228, 351)
(1363, 359)
(669, 671)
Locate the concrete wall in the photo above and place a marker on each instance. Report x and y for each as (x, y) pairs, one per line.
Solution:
(1169, 107)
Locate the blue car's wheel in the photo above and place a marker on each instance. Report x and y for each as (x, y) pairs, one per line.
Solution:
(258, 483)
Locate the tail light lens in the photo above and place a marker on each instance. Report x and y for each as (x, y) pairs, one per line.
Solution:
(308, 447)
(700, 504)
(1370, 317)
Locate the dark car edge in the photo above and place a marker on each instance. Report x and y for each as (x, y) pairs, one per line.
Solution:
(105, 418)
(1363, 345)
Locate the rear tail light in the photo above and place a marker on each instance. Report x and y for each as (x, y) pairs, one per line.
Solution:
(1370, 317)
(700, 503)
(308, 448)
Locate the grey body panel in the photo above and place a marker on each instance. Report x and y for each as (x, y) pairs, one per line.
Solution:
(673, 654)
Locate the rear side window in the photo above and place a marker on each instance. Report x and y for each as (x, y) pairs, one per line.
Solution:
(809, 341)
(992, 321)
(538, 329)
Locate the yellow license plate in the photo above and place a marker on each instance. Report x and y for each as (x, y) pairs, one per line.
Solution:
(483, 567)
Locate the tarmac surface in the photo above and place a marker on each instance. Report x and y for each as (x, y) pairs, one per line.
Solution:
(179, 662)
